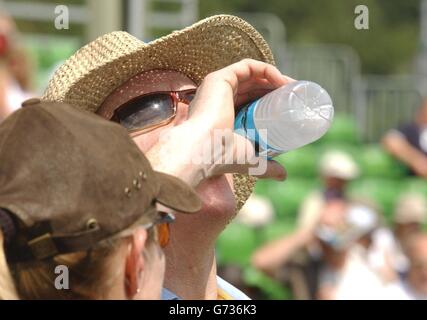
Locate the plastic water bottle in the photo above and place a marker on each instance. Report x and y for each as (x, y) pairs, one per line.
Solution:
(287, 118)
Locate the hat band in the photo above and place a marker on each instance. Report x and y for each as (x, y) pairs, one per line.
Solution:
(47, 245)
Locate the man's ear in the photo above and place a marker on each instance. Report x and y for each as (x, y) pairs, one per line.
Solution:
(135, 262)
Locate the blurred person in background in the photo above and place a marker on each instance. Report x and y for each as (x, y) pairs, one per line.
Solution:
(370, 253)
(346, 246)
(337, 169)
(257, 212)
(408, 143)
(172, 94)
(88, 205)
(343, 256)
(409, 217)
(15, 68)
(414, 285)
(297, 259)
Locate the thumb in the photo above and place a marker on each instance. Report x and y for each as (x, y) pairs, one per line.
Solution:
(238, 156)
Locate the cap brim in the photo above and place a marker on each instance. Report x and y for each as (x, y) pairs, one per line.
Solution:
(177, 195)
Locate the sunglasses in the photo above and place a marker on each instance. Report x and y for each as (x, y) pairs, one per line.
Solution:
(152, 110)
(161, 226)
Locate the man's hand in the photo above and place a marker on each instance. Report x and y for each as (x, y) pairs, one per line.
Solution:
(397, 145)
(419, 166)
(193, 152)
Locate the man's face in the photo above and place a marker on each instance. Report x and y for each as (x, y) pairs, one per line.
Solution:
(216, 193)
(406, 230)
(335, 183)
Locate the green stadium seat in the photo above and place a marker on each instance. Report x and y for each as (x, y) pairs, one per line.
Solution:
(376, 162)
(261, 187)
(414, 184)
(286, 196)
(236, 244)
(384, 192)
(271, 289)
(49, 55)
(343, 130)
(276, 230)
(300, 162)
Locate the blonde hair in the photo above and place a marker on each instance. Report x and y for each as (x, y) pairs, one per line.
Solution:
(36, 279)
(7, 287)
(90, 272)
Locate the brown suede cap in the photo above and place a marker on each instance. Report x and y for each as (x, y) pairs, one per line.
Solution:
(72, 179)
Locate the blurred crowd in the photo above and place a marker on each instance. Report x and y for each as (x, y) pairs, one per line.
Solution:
(342, 247)
(343, 244)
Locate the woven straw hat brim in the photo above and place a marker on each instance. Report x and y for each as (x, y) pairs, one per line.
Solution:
(93, 72)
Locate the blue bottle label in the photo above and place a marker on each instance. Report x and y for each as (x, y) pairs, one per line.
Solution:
(244, 125)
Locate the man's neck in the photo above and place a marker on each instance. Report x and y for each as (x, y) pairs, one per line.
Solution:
(190, 254)
(191, 274)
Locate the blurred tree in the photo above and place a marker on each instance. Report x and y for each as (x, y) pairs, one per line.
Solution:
(387, 47)
(236, 244)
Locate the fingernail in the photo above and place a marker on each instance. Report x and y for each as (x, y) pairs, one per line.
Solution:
(289, 79)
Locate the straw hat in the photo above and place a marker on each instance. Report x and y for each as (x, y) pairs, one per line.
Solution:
(93, 72)
(411, 207)
(258, 211)
(338, 164)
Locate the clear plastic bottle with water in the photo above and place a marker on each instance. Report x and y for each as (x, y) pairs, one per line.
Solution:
(286, 118)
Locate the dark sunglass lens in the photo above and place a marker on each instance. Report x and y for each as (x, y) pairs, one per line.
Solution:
(145, 111)
(189, 96)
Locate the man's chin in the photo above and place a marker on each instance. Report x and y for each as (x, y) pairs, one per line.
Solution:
(203, 227)
(217, 197)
